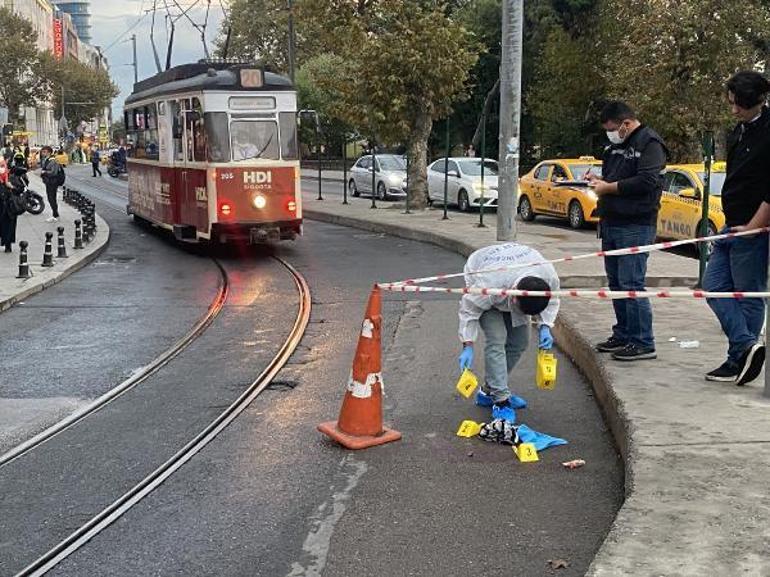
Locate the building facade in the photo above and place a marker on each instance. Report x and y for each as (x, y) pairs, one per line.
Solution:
(80, 10)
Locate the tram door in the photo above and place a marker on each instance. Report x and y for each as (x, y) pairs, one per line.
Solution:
(192, 185)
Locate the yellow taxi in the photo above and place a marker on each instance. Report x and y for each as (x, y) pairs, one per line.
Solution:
(557, 188)
(681, 202)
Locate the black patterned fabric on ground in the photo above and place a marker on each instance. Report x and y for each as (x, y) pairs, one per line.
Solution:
(500, 431)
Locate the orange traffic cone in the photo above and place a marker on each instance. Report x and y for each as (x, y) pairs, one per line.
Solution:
(360, 422)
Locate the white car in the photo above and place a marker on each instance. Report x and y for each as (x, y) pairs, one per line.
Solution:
(390, 179)
(463, 178)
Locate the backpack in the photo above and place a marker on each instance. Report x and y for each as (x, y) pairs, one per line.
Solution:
(60, 176)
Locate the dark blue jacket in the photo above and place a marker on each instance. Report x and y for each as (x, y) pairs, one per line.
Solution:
(637, 166)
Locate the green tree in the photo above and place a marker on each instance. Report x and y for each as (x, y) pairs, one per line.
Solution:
(21, 81)
(403, 65)
(671, 61)
(87, 91)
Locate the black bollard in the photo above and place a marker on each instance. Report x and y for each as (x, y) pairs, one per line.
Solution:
(48, 253)
(78, 235)
(61, 248)
(23, 262)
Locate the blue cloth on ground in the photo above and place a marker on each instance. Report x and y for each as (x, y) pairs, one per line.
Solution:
(540, 440)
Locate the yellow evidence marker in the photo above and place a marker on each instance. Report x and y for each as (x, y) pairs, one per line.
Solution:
(468, 429)
(545, 375)
(467, 383)
(526, 452)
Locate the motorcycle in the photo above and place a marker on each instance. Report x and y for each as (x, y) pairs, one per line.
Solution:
(32, 202)
(115, 170)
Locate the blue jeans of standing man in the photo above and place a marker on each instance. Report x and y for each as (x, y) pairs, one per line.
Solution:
(504, 345)
(740, 265)
(627, 273)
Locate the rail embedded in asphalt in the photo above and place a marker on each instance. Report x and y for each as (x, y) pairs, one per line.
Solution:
(135, 379)
(119, 507)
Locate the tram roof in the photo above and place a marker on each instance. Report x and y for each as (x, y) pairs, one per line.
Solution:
(204, 75)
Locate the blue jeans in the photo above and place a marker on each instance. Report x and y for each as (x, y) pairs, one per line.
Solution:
(504, 345)
(627, 273)
(738, 264)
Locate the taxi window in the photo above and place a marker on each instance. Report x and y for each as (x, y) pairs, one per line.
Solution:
(558, 174)
(717, 181)
(542, 172)
(679, 182)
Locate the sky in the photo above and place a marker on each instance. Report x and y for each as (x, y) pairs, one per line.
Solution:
(113, 22)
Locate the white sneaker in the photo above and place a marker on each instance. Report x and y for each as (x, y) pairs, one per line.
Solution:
(52, 219)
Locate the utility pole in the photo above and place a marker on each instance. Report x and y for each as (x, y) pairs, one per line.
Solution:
(292, 40)
(510, 113)
(136, 70)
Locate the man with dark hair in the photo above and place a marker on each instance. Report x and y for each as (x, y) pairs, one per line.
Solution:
(629, 198)
(505, 320)
(740, 264)
(50, 172)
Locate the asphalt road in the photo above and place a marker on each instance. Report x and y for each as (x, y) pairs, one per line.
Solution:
(271, 496)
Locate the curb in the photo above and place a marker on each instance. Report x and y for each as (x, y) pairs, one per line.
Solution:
(86, 260)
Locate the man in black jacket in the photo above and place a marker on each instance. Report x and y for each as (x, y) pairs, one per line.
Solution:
(629, 198)
(740, 264)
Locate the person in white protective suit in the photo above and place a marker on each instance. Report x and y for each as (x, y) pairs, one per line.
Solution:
(505, 320)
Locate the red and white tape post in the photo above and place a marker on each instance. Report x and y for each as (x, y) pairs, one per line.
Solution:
(601, 253)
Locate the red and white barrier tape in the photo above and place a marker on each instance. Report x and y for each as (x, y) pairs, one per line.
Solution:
(593, 294)
(601, 253)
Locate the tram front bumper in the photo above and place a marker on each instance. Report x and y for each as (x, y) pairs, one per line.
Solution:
(255, 233)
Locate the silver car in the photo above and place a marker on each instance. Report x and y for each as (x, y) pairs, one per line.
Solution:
(463, 182)
(390, 178)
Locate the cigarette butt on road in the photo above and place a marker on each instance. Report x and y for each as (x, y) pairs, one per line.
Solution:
(574, 464)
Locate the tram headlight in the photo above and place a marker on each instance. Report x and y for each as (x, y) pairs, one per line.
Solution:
(259, 201)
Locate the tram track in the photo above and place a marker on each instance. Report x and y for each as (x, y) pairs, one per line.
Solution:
(135, 494)
(135, 379)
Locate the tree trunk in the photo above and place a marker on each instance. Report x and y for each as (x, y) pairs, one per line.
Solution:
(417, 154)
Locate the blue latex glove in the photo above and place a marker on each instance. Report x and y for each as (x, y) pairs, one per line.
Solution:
(546, 338)
(466, 358)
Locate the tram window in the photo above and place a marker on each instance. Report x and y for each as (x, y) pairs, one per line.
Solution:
(151, 133)
(218, 137)
(288, 122)
(254, 139)
(139, 133)
(177, 129)
(198, 122)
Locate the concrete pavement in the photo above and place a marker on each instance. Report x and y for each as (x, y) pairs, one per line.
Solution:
(32, 229)
(697, 454)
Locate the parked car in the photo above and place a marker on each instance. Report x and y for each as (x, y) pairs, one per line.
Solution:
(390, 179)
(682, 200)
(546, 190)
(463, 182)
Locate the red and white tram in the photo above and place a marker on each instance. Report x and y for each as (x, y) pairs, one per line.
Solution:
(213, 153)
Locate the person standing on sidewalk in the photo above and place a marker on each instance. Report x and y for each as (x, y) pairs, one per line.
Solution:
(505, 320)
(51, 174)
(96, 157)
(629, 193)
(740, 264)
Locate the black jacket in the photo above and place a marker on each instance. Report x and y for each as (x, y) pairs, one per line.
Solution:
(746, 182)
(637, 166)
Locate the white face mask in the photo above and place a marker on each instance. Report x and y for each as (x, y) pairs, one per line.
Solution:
(614, 137)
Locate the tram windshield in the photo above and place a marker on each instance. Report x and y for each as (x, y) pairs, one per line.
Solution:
(251, 139)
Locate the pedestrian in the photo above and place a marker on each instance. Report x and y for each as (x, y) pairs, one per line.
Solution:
(629, 193)
(10, 206)
(505, 320)
(740, 264)
(95, 159)
(471, 151)
(52, 175)
(8, 153)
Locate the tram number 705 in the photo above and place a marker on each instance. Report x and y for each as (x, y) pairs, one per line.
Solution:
(226, 176)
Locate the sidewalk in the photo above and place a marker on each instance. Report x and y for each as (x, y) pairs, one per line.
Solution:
(32, 229)
(697, 454)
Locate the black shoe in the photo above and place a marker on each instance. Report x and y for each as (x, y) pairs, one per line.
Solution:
(750, 364)
(8, 249)
(611, 345)
(632, 352)
(727, 372)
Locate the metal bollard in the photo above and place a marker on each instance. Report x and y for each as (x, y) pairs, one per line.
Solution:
(48, 253)
(23, 262)
(78, 235)
(61, 248)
